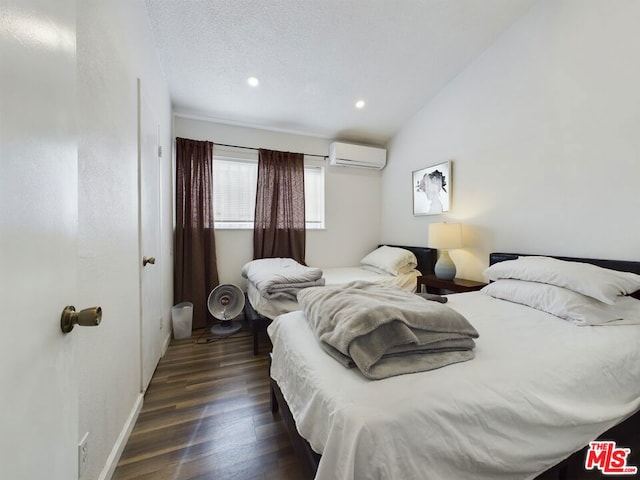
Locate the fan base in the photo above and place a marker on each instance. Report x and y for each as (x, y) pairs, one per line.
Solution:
(226, 328)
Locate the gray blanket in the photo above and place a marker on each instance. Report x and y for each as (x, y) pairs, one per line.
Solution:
(386, 331)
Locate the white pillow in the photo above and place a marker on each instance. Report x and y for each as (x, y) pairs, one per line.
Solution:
(600, 283)
(392, 260)
(409, 268)
(566, 304)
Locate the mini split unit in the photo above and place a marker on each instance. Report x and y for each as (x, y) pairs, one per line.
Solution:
(360, 156)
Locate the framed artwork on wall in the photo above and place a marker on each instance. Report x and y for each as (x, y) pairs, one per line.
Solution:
(432, 189)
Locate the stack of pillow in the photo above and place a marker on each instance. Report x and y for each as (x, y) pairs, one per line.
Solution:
(582, 293)
(390, 260)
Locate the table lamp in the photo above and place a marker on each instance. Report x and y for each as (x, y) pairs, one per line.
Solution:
(444, 237)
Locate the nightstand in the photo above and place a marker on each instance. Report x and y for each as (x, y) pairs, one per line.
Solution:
(434, 285)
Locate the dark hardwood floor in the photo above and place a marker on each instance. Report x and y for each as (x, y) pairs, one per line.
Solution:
(206, 415)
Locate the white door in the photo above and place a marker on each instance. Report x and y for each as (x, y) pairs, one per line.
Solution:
(38, 240)
(149, 215)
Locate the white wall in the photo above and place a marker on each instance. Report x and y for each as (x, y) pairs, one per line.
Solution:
(352, 201)
(543, 131)
(115, 46)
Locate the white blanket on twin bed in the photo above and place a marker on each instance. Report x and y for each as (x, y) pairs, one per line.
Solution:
(539, 389)
(272, 307)
(281, 277)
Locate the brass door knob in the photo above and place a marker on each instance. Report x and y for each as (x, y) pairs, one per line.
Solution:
(151, 260)
(89, 317)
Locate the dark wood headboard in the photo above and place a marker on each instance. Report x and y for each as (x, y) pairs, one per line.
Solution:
(620, 265)
(426, 257)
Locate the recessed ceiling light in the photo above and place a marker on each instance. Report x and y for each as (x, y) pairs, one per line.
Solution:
(253, 81)
(360, 104)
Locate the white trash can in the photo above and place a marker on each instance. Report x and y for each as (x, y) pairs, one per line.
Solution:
(182, 316)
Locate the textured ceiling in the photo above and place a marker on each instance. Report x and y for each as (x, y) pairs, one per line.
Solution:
(315, 58)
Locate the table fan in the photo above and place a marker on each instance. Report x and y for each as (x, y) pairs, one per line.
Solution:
(225, 302)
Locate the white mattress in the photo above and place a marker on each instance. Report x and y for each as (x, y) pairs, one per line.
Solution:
(539, 389)
(271, 308)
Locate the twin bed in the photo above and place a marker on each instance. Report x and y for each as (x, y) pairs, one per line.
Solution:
(539, 389)
(382, 266)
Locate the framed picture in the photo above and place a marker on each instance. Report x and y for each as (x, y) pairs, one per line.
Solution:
(432, 189)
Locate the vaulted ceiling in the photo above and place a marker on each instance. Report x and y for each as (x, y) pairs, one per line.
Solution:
(315, 59)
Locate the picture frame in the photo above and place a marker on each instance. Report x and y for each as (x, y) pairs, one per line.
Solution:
(431, 188)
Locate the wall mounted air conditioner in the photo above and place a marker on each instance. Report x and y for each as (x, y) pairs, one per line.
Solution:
(350, 155)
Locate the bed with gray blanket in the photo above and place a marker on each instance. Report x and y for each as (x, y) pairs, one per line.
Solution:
(538, 389)
(384, 330)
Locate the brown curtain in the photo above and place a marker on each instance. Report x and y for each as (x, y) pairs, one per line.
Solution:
(195, 269)
(279, 229)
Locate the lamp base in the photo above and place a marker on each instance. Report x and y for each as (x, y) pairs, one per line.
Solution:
(445, 269)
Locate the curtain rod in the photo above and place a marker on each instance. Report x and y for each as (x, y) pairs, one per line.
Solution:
(252, 148)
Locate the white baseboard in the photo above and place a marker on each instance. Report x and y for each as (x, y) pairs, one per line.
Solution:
(166, 343)
(118, 448)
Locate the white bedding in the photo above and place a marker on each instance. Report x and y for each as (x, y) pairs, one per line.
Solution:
(539, 389)
(272, 307)
(342, 275)
(281, 277)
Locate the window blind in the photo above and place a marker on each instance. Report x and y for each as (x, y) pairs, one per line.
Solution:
(234, 193)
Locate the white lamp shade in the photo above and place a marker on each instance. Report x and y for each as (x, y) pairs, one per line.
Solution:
(445, 235)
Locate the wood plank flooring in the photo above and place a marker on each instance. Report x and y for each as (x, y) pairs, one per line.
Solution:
(206, 415)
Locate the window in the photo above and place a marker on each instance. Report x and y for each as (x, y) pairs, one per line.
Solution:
(234, 193)
(313, 197)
